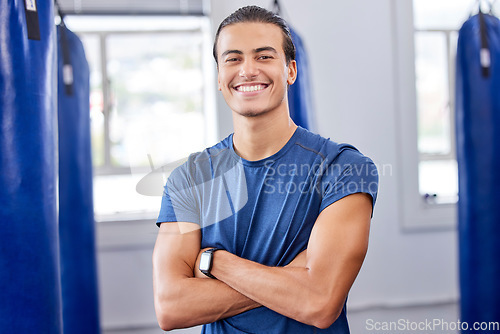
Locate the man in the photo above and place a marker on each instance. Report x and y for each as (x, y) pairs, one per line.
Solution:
(276, 217)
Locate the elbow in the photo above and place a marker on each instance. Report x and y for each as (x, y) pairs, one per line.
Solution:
(167, 315)
(323, 315)
(325, 321)
(165, 324)
(165, 319)
(168, 320)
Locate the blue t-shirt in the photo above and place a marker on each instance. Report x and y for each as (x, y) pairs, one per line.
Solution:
(264, 210)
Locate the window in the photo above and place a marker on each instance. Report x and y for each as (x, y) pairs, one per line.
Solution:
(425, 38)
(149, 105)
(436, 25)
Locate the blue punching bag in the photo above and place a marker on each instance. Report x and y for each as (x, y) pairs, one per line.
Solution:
(30, 290)
(76, 212)
(299, 94)
(478, 155)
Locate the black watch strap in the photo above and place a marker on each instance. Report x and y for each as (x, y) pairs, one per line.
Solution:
(208, 273)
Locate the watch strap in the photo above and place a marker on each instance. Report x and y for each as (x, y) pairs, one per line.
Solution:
(210, 251)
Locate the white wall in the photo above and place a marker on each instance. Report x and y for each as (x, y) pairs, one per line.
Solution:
(351, 49)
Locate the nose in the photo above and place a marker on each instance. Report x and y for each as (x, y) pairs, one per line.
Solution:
(249, 69)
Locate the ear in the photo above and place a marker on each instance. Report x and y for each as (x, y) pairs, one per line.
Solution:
(218, 82)
(292, 72)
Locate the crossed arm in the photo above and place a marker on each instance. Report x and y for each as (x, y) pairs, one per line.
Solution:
(312, 289)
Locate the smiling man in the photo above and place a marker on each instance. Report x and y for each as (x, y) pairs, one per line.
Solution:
(266, 231)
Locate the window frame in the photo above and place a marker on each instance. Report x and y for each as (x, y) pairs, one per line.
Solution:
(451, 93)
(108, 168)
(416, 213)
(209, 111)
(434, 199)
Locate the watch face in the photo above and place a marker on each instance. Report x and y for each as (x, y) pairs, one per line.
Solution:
(205, 261)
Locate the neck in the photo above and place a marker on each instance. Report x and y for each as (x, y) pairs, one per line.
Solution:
(259, 137)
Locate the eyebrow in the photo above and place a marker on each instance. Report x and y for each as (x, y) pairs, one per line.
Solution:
(261, 49)
(225, 53)
(265, 48)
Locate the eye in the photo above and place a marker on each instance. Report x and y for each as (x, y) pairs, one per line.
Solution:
(264, 57)
(231, 60)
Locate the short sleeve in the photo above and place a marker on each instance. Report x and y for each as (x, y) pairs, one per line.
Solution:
(179, 202)
(349, 173)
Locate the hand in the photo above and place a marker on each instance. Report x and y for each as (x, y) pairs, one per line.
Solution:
(196, 270)
(299, 261)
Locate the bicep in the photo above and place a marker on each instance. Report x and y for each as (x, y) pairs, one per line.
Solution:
(338, 243)
(176, 249)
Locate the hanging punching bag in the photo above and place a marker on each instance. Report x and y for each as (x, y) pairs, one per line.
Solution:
(76, 213)
(478, 156)
(30, 291)
(299, 94)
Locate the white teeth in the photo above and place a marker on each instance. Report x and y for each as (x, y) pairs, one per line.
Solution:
(250, 88)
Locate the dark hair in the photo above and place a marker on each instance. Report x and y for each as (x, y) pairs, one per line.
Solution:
(258, 14)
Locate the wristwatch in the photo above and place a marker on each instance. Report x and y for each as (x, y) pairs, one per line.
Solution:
(206, 261)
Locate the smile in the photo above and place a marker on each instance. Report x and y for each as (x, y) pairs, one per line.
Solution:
(250, 88)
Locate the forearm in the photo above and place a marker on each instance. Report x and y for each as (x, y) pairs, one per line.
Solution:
(295, 292)
(182, 300)
(315, 293)
(189, 301)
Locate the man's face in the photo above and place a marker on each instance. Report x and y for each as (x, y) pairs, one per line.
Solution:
(253, 74)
